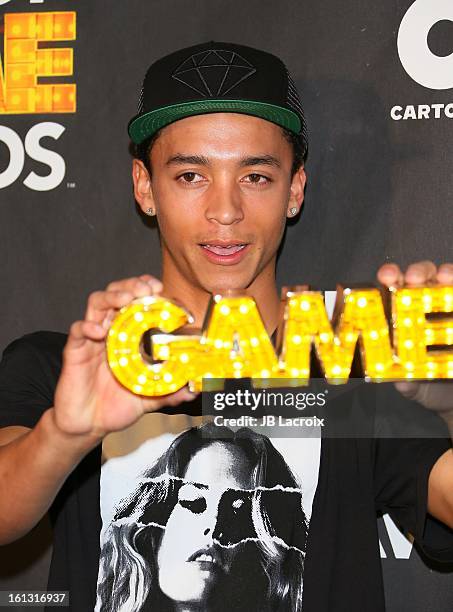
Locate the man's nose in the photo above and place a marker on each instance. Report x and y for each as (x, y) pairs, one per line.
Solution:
(225, 205)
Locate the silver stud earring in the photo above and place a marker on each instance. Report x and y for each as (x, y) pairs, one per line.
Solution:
(149, 211)
(293, 211)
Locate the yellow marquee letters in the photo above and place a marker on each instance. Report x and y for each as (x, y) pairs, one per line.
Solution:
(234, 342)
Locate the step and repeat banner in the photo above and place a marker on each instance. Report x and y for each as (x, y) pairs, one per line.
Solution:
(376, 81)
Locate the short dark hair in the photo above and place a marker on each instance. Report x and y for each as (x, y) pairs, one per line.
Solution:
(142, 151)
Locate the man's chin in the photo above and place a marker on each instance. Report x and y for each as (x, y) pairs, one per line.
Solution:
(225, 284)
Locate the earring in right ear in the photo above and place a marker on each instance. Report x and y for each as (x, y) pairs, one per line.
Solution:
(150, 212)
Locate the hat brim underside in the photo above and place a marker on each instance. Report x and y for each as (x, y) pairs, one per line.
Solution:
(142, 127)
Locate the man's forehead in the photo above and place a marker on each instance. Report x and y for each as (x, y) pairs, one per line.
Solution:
(227, 134)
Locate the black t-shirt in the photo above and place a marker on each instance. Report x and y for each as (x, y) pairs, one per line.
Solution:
(318, 540)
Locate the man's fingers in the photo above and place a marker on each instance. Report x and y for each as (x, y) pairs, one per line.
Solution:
(80, 331)
(408, 389)
(390, 275)
(118, 294)
(433, 395)
(182, 395)
(173, 399)
(106, 323)
(420, 273)
(130, 284)
(100, 302)
(445, 274)
(102, 307)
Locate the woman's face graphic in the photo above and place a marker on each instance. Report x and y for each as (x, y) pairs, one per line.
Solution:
(190, 563)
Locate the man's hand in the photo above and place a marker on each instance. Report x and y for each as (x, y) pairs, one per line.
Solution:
(437, 396)
(88, 398)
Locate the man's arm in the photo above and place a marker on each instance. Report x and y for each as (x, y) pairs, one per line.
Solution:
(440, 489)
(89, 403)
(34, 463)
(435, 396)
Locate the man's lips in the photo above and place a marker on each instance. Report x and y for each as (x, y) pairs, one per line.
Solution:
(224, 252)
(221, 250)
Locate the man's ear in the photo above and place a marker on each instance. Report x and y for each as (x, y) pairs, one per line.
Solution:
(296, 195)
(142, 186)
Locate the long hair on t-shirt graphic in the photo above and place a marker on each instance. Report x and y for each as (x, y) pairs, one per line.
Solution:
(215, 524)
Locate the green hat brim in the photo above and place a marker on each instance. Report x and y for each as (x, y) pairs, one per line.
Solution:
(142, 127)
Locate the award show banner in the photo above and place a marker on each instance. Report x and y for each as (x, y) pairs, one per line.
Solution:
(376, 82)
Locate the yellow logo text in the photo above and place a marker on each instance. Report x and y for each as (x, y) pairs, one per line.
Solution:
(24, 62)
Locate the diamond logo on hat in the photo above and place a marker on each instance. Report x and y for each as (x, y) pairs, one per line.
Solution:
(214, 72)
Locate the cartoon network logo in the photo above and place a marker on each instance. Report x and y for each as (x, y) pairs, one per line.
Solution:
(421, 64)
(23, 62)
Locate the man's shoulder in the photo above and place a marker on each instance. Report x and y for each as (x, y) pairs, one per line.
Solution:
(50, 342)
(29, 372)
(39, 351)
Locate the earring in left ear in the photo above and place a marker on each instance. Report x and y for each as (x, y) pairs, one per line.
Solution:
(293, 211)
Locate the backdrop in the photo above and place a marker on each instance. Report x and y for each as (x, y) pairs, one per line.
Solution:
(376, 81)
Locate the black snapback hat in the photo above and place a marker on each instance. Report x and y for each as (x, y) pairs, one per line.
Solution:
(216, 78)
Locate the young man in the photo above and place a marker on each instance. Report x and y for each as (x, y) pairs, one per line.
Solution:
(222, 521)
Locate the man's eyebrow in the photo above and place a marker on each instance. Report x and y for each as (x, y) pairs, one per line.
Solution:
(260, 160)
(191, 160)
(200, 160)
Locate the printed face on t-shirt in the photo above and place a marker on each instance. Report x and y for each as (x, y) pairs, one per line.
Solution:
(194, 521)
(194, 555)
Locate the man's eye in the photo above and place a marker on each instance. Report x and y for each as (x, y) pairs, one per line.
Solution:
(190, 177)
(257, 179)
(196, 506)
